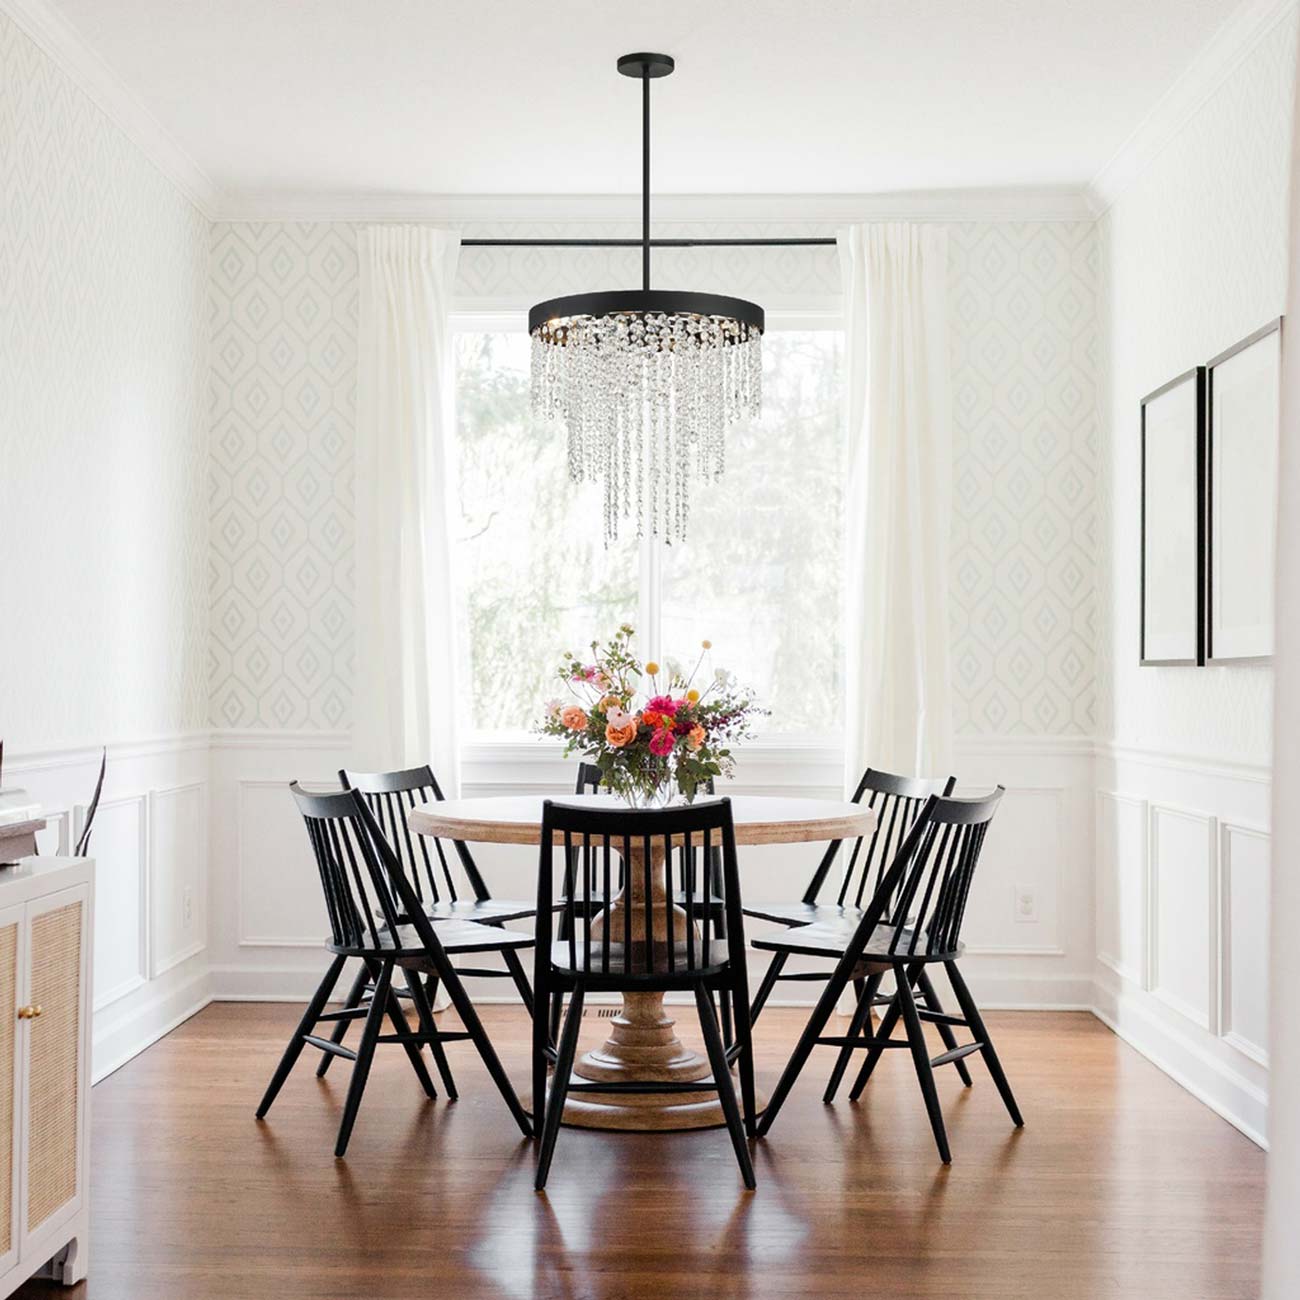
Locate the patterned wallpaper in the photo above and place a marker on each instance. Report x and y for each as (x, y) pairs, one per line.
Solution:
(1193, 258)
(1023, 310)
(103, 431)
(1023, 304)
(283, 378)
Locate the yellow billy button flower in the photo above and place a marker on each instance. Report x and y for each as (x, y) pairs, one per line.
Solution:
(652, 668)
(708, 645)
(692, 697)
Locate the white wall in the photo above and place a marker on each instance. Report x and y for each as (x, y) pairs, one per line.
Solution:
(1193, 257)
(103, 524)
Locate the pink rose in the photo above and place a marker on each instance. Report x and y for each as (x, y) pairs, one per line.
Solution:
(661, 743)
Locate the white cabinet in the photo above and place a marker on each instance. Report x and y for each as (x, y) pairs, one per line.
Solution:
(45, 964)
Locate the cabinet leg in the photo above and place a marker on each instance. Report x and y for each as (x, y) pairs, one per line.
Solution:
(67, 1266)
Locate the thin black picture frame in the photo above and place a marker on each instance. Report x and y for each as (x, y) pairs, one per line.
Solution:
(1197, 374)
(1207, 522)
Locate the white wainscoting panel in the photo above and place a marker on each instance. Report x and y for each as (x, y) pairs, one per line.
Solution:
(1023, 857)
(1187, 990)
(177, 887)
(279, 892)
(1182, 889)
(1122, 884)
(1243, 938)
(120, 846)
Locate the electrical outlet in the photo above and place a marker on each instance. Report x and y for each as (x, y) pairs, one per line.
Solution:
(1026, 903)
(187, 908)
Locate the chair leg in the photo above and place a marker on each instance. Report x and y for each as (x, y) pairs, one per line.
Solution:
(397, 1018)
(557, 1011)
(970, 1012)
(861, 1019)
(355, 994)
(379, 1004)
(926, 987)
(543, 1037)
(745, 1061)
(722, 1081)
(773, 972)
(474, 1027)
(429, 1027)
(883, 1031)
(294, 1050)
(516, 969)
(812, 1031)
(921, 1060)
(559, 1088)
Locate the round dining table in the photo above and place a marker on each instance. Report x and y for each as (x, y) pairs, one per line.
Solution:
(643, 1044)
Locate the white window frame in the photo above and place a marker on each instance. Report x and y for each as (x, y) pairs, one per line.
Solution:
(791, 761)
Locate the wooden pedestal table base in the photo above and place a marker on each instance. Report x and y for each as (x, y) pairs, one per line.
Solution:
(643, 1043)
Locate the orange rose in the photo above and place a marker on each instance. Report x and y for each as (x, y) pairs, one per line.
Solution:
(573, 718)
(620, 736)
(653, 719)
(610, 702)
(695, 737)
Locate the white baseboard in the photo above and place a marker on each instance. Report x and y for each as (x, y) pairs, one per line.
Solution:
(1225, 1092)
(128, 1036)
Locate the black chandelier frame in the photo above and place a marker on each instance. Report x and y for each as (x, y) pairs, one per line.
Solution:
(645, 301)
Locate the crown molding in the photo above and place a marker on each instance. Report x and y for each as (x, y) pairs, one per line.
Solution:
(812, 213)
(1250, 24)
(53, 34)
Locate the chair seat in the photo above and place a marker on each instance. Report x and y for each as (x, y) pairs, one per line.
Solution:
(803, 913)
(456, 936)
(831, 940)
(487, 911)
(715, 960)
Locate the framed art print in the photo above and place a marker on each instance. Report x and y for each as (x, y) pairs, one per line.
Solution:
(1173, 460)
(1243, 400)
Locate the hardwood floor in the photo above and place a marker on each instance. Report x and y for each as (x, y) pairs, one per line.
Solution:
(1121, 1185)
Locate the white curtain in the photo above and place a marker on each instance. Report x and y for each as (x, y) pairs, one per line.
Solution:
(405, 699)
(1281, 1259)
(897, 503)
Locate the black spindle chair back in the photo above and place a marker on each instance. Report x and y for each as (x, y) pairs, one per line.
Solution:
(897, 801)
(921, 900)
(663, 846)
(391, 796)
(368, 896)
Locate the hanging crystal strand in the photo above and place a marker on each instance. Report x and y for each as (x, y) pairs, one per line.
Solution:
(646, 401)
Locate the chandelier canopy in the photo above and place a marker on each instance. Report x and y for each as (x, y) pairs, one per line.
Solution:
(645, 380)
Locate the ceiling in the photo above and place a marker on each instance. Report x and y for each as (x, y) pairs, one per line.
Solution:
(419, 97)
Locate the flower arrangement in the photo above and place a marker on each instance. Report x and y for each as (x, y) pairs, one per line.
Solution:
(676, 738)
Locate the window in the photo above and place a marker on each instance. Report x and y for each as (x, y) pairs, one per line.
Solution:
(758, 574)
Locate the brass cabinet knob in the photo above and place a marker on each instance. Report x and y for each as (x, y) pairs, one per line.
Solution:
(28, 1013)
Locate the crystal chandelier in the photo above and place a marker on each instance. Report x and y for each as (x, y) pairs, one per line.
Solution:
(646, 380)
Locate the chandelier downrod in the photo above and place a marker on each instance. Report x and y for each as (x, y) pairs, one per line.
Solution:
(645, 180)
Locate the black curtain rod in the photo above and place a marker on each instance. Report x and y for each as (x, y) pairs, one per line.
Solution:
(816, 241)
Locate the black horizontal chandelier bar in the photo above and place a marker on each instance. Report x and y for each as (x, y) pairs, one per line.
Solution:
(810, 241)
